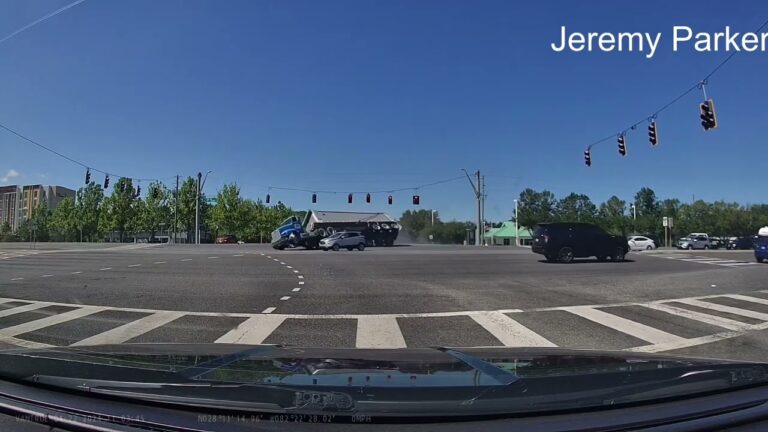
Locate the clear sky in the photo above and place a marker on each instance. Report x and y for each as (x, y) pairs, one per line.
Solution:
(378, 95)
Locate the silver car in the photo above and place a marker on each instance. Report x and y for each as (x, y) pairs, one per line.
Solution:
(697, 242)
(344, 239)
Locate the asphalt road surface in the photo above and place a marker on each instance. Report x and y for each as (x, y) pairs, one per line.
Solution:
(703, 303)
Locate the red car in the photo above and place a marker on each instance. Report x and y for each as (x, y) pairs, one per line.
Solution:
(226, 239)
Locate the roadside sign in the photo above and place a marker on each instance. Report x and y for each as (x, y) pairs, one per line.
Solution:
(665, 221)
(671, 222)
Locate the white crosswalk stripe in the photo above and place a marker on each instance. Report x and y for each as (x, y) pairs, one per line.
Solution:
(723, 262)
(392, 331)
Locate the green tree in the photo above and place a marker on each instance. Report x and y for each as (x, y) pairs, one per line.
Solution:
(230, 215)
(417, 221)
(63, 224)
(186, 206)
(535, 207)
(6, 233)
(612, 215)
(576, 208)
(39, 222)
(154, 211)
(118, 208)
(88, 211)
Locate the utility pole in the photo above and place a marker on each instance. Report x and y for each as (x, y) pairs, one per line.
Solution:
(517, 226)
(477, 188)
(197, 210)
(483, 197)
(176, 211)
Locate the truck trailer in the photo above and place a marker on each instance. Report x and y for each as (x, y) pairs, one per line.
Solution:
(379, 229)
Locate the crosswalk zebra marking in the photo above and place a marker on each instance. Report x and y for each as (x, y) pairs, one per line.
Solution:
(698, 316)
(379, 332)
(49, 321)
(254, 330)
(132, 329)
(632, 328)
(510, 332)
(24, 308)
(728, 309)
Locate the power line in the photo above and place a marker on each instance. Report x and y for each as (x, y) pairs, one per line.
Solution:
(412, 188)
(75, 161)
(698, 85)
(41, 19)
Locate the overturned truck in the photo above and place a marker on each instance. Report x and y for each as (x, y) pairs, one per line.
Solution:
(379, 229)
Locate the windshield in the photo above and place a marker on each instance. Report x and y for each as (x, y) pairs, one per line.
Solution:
(416, 176)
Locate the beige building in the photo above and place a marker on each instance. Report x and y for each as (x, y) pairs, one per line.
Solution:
(17, 202)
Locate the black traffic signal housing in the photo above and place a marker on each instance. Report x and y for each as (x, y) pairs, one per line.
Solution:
(368, 198)
(416, 200)
(268, 197)
(314, 198)
(653, 133)
(588, 157)
(622, 145)
(349, 199)
(389, 200)
(138, 191)
(87, 176)
(106, 182)
(708, 116)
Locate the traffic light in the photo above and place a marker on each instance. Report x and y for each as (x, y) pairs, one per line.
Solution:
(87, 176)
(588, 157)
(138, 191)
(267, 198)
(106, 182)
(622, 145)
(653, 134)
(708, 117)
(314, 198)
(368, 198)
(349, 199)
(416, 200)
(389, 200)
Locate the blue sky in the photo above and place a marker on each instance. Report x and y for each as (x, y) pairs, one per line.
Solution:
(378, 95)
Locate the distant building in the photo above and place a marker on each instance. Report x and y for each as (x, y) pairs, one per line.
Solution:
(507, 235)
(17, 202)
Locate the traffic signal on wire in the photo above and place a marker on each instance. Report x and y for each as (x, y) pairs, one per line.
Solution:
(349, 199)
(622, 145)
(368, 198)
(389, 200)
(88, 176)
(708, 116)
(588, 157)
(314, 198)
(653, 133)
(416, 200)
(106, 182)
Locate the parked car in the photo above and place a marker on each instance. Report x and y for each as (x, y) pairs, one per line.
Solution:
(344, 239)
(641, 243)
(697, 242)
(563, 241)
(747, 242)
(761, 249)
(716, 242)
(226, 239)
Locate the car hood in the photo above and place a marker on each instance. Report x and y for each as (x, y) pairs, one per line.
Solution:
(418, 382)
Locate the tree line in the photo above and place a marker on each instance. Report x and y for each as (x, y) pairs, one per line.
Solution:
(94, 216)
(718, 218)
(419, 225)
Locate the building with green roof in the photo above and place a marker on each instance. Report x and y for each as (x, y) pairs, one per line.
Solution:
(506, 235)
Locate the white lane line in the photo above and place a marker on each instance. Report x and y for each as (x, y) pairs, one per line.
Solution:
(720, 262)
(510, 332)
(268, 256)
(739, 264)
(159, 262)
(49, 321)
(46, 276)
(285, 298)
(379, 332)
(269, 310)
(727, 309)
(701, 317)
(238, 255)
(632, 328)
(105, 269)
(282, 263)
(295, 271)
(275, 260)
(15, 279)
(290, 267)
(20, 309)
(135, 265)
(132, 329)
(254, 330)
(296, 289)
(187, 259)
(76, 272)
(214, 257)
(301, 282)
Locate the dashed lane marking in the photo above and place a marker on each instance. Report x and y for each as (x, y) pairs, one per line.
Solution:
(237, 255)
(17, 279)
(135, 265)
(159, 262)
(269, 310)
(285, 298)
(213, 257)
(296, 289)
(76, 272)
(105, 269)
(301, 282)
(47, 275)
(187, 259)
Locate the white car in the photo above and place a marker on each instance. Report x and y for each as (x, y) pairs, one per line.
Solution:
(640, 243)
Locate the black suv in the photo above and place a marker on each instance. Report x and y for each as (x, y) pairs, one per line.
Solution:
(562, 241)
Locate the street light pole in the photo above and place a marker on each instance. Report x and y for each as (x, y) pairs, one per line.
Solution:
(200, 186)
(433, 217)
(517, 229)
(478, 195)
